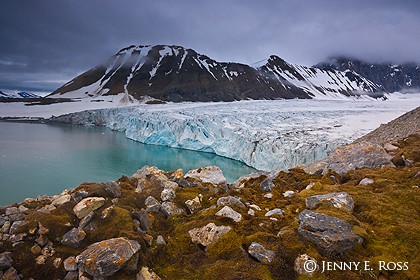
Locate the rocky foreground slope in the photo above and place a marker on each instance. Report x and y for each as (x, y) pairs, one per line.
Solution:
(176, 225)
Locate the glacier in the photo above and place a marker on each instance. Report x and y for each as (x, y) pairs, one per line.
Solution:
(267, 135)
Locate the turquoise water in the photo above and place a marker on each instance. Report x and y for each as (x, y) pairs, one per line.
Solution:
(38, 159)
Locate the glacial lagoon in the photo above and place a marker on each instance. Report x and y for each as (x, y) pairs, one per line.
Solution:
(37, 159)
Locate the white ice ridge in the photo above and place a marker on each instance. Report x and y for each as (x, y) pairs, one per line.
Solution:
(266, 135)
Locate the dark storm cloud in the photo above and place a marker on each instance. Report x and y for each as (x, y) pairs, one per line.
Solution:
(44, 43)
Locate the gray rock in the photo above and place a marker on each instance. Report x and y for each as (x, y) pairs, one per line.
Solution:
(341, 200)
(209, 174)
(88, 205)
(228, 212)
(239, 183)
(15, 226)
(267, 185)
(366, 181)
(166, 184)
(11, 274)
(146, 274)
(260, 253)
(106, 257)
(6, 260)
(330, 234)
(208, 234)
(12, 210)
(71, 275)
(160, 240)
(86, 220)
(6, 227)
(17, 237)
(168, 195)
(41, 240)
(78, 196)
(231, 201)
(289, 194)
(2, 221)
(113, 188)
(275, 211)
(152, 204)
(73, 238)
(22, 208)
(305, 265)
(169, 208)
(70, 264)
(16, 217)
(145, 218)
(193, 205)
(62, 199)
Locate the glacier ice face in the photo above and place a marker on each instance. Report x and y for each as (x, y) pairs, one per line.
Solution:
(266, 135)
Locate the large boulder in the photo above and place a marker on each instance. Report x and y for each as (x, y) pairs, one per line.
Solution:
(341, 200)
(105, 258)
(329, 234)
(88, 205)
(209, 174)
(208, 234)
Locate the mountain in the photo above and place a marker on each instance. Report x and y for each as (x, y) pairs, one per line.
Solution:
(174, 73)
(21, 94)
(393, 78)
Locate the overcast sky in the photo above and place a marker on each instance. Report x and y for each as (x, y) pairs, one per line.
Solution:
(45, 43)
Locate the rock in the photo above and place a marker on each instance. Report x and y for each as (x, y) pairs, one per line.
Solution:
(166, 184)
(289, 194)
(88, 205)
(268, 195)
(168, 195)
(22, 208)
(305, 265)
(6, 227)
(36, 249)
(145, 218)
(12, 210)
(142, 183)
(42, 230)
(2, 221)
(178, 174)
(106, 257)
(275, 211)
(240, 183)
(61, 200)
(256, 207)
(228, 212)
(48, 250)
(148, 170)
(78, 196)
(208, 234)
(193, 205)
(170, 208)
(308, 187)
(341, 200)
(42, 240)
(209, 174)
(17, 237)
(251, 212)
(267, 185)
(184, 183)
(41, 259)
(107, 212)
(71, 275)
(160, 240)
(15, 226)
(148, 239)
(366, 181)
(330, 234)
(146, 274)
(113, 189)
(231, 201)
(260, 253)
(152, 204)
(389, 147)
(86, 220)
(57, 262)
(73, 238)
(6, 260)
(70, 264)
(11, 274)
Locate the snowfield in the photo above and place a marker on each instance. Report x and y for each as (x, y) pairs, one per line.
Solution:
(266, 135)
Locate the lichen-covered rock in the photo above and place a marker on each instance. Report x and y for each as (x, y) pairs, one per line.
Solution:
(167, 195)
(152, 204)
(11, 274)
(146, 274)
(70, 263)
(260, 253)
(267, 185)
(341, 200)
(145, 218)
(86, 220)
(330, 234)
(275, 211)
(208, 234)
(6, 260)
(62, 199)
(15, 226)
(169, 208)
(193, 205)
(73, 238)
(88, 205)
(148, 170)
(305, 265)
(113, 188)
(106, 257)
(209, 174)
(231, 201)
(228, 212)
(366, 181)
(12, 210)
(71, 275)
